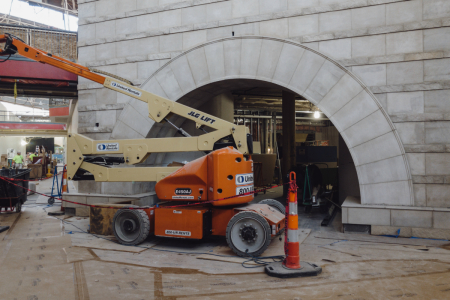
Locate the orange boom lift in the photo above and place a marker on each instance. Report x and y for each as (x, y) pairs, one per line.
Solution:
(208, 196)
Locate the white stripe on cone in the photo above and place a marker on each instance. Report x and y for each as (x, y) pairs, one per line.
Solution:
(292, 236)
(293, 208)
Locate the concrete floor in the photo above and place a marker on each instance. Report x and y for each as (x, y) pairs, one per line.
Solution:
(44, 258)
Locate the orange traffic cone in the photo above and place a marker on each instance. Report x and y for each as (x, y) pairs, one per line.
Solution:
(64, 185)
(292, 260)
(290, 266)
(64, 180)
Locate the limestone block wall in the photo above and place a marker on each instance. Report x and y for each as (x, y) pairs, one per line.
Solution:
(400, 49)
(383, 171)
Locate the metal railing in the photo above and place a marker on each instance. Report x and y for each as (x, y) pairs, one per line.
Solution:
(24, 116)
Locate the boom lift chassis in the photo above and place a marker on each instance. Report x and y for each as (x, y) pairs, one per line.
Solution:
(223, 173)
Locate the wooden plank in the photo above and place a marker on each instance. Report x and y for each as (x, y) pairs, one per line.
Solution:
(75, 254)
(105, 280)
(426, 286)
(109, 243)
(81, 288)
(379, 239)
(100, 218)
(37, 269)
(197, 285)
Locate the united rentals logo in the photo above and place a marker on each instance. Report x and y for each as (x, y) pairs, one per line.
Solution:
(108, 147)
(242, 179)
(126, 89)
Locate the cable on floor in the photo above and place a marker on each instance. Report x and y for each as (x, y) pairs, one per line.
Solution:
(260, 261)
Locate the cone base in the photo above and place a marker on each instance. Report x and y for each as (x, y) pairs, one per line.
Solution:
(277, 269)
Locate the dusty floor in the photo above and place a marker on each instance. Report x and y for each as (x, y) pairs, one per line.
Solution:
(45, 258)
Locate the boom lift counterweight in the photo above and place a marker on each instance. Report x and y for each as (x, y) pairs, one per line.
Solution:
(224, 172)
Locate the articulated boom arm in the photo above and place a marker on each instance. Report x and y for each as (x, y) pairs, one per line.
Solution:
(134, 151)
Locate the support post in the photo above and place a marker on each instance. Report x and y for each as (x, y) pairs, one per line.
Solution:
(288, 112)
(274, 133)
(266, 135)
(290, 266)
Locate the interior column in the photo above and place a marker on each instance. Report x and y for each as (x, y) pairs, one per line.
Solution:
(288, 112)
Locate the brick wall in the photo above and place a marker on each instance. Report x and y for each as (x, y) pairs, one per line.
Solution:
(60, 43)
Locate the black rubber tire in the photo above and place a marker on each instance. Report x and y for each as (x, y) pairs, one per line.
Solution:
(18, 207)
(250, 216)
(51, 200)
(275, 204)
(142, 227)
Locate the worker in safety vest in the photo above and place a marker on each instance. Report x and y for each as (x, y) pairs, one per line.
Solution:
(18, 160)
(32, 155)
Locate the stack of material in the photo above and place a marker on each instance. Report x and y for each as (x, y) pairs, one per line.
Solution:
(4, 161)
(101, 217)
(40, 161)
(53, 164)
(36, 171)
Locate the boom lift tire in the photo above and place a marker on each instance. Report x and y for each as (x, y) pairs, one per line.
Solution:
(248, 234)
(18, 206)
(131, 226)
(275, 204)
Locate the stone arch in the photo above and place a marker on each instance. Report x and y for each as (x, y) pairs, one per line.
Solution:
(383, 171)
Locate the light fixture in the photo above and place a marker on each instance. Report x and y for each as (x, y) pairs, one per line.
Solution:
(316, 114)
(23, 143)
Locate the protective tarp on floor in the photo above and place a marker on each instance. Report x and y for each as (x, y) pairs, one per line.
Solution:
(42, 257)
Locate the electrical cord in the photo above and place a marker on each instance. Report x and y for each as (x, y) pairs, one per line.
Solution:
(2, 61)
(259, 261)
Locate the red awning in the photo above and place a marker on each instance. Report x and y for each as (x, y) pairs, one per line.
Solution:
(34, 70)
